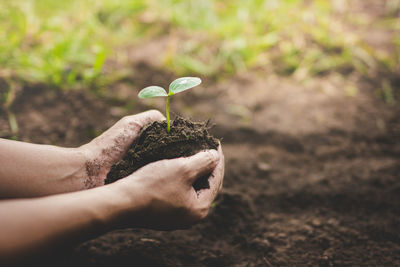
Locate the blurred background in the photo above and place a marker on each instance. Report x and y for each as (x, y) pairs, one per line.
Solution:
(111, 49)
(304, 94)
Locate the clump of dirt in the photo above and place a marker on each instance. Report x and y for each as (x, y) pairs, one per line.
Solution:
(185, 138)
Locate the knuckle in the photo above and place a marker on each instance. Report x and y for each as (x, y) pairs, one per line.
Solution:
(203, 213)
(213, 157)
(210, 157)
(185, 169)
(126, 119)
(180, 166)
(200, 214)
(155, 113)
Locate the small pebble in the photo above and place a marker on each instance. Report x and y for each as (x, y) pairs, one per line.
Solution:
(263, 166)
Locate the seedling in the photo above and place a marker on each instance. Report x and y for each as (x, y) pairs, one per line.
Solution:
(177, 86)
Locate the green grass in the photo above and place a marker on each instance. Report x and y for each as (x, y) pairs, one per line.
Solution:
(60, 43)
(64, 44)
(288, 36)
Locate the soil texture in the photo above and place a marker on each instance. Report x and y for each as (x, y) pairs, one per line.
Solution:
(185, 138)
(323, 195)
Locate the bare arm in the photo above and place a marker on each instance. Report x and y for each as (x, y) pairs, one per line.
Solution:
(35, 170)
(31, 226)
(30, 170)
(159, 196)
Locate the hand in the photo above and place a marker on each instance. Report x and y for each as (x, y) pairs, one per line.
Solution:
(108, 148)
(168, 200)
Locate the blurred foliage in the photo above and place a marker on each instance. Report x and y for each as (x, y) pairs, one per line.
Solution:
(66, 44)
(289, 36)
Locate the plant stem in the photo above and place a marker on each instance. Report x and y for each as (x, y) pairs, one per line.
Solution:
(167, 113)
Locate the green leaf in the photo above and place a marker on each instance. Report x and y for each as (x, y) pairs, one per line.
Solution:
(183, 84)
(152, 91)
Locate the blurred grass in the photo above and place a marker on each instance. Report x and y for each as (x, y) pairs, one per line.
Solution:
(288, 36)
(66, 44)
(61, 43)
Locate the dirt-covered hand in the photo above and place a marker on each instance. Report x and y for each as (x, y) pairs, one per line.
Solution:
(165, 192)
(108, 148)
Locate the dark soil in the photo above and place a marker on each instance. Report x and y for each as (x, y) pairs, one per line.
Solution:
(326, 195)
(185, 138)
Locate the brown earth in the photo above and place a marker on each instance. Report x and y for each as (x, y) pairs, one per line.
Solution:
(312, 175)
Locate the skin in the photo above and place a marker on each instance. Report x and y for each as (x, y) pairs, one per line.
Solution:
(53, 196)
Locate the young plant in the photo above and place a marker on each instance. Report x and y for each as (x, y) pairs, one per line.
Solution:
(177, 86)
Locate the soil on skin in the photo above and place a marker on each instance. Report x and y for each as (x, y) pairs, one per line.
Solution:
(185, 138)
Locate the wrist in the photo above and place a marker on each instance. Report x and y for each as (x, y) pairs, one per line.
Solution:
(132, 201)
(92, 172)
(75, 169)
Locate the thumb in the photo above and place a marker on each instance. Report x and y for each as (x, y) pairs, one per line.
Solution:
(127, 129)
(145, 117)
(117, 139)
(200, 164)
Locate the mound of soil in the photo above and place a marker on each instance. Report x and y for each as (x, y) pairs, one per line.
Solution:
(185, 138)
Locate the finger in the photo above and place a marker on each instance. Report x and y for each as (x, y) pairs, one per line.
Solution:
(220, 169)
(146, 117)
(131, 126)
(215, 181)
(117, 139)
(200, 164)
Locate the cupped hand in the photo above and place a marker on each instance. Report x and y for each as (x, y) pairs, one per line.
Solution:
(165, 192)
(108, 148)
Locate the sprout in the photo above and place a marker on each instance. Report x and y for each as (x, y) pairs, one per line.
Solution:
(177, 86)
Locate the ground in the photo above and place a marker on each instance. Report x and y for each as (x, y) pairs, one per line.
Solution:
(312, 175)
(312, 166)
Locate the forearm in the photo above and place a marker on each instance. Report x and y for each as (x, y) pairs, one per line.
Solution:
(31, 226)
(29, 170)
